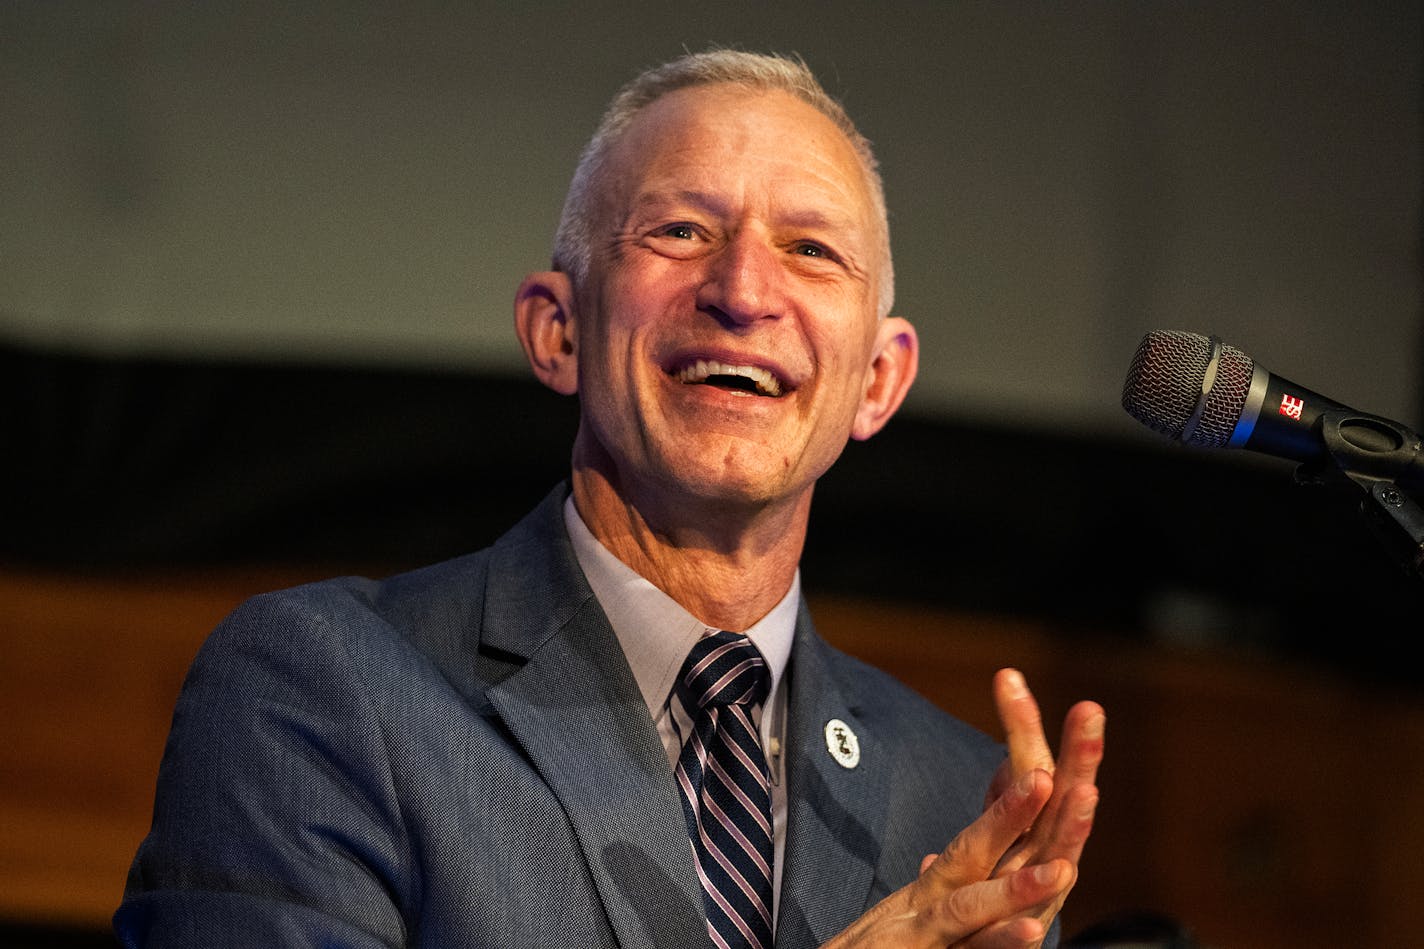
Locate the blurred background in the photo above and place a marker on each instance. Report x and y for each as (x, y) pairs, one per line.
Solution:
(257, 263)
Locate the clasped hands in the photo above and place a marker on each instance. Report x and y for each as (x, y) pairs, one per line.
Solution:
(1002, 880)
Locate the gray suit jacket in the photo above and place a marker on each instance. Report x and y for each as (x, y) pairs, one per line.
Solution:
(459, 756)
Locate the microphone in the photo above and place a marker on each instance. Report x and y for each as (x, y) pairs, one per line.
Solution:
(1200, 391)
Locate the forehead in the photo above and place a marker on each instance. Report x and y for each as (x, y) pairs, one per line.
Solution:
(744, 144)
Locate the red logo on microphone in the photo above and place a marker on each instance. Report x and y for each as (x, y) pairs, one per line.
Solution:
(1291, 406)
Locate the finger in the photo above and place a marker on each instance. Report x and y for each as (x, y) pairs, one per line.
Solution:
(1084, 728)
(975, 851)
(1060, 834)
(1056, 832)
(1022, 723)
(1002, 779)
(1021, 932)
(1028, 929)
(1072, 825)
(914, 917)
(1002, 912)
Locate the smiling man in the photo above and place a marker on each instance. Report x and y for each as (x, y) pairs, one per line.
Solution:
(721, 332)
(618, 726)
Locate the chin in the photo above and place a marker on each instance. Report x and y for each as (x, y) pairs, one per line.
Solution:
(734, 486)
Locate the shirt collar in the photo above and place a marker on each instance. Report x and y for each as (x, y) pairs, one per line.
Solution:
(655, 631)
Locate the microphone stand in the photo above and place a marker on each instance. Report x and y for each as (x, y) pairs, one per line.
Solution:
(1373, 454)
(1399, 522)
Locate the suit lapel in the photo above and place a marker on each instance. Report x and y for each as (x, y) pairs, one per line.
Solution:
(835, 814)
(576, 710)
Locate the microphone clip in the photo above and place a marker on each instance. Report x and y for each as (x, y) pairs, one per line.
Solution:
(1381, 458)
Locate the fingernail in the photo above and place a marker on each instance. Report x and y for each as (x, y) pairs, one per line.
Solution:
(1095, 726)
(1015, 682)
(1046, 873)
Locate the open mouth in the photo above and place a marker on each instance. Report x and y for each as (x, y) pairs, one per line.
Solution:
(753, 380)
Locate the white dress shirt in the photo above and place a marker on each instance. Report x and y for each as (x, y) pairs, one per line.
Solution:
(657, 633)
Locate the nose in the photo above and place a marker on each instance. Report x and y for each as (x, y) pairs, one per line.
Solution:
(744, 280)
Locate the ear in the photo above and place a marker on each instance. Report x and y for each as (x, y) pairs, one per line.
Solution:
(544, 322)
(893, 368)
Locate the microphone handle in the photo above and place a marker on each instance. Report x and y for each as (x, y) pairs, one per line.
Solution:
(1287, 420)
(1279, 418)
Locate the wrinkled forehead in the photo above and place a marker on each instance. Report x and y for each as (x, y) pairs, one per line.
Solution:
(729, 136)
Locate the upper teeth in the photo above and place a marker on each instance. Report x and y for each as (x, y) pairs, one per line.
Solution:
(700, 370)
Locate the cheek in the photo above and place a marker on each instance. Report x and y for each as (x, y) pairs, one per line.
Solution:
(845, 353)
(617, 372)
(631, 308)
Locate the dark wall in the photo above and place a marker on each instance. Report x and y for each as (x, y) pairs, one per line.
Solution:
(150, 465)
(367, 182)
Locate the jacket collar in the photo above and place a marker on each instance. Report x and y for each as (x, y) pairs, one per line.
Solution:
(575, 709)
(573, 705)
(836, 814)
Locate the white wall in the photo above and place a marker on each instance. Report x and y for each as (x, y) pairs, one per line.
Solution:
(368, 182)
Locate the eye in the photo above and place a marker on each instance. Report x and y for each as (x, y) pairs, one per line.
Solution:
(680, 240)
(812, 249)
(681, 232)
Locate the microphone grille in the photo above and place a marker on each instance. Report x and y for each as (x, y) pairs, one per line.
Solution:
(1164, 383)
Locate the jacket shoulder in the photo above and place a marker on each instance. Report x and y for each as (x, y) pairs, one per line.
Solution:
(436, 614)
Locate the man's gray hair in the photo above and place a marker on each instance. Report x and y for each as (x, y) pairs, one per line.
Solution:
(574, 240)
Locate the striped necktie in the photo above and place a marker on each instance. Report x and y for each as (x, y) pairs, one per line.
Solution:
(726, 790)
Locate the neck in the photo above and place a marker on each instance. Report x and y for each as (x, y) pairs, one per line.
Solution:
(726, 564)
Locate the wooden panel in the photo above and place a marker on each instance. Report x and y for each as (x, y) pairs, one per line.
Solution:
(1259, 805)
(1263, 806)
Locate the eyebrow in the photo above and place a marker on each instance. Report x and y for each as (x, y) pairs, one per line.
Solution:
(807, 217)
(680, 196)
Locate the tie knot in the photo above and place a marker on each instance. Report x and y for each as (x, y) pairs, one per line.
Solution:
(724, 669)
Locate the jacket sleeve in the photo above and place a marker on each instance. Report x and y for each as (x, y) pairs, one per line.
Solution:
(276, 820)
